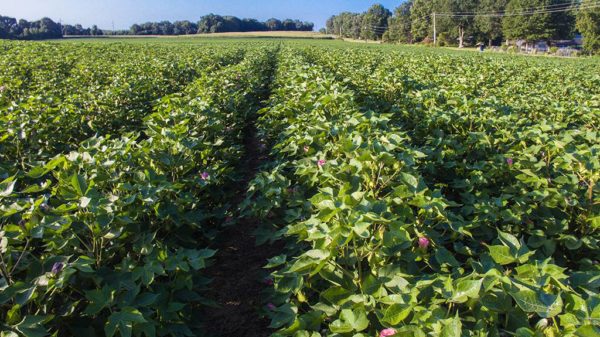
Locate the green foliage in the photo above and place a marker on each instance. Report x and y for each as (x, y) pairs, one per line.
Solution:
(59, 95)
(528, 27)
(588, 24)
(490, 27)
(44, 28)
(414, 191)
(374, 22)
(422, 21)
(108, 239)
(413, 150)
(400, 24)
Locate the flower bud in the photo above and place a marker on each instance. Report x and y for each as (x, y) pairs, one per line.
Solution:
(542, 324)
(423, 242)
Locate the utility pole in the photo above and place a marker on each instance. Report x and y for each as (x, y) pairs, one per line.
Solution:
(434, 31)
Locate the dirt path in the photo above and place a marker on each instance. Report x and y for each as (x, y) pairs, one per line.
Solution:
(237, 274)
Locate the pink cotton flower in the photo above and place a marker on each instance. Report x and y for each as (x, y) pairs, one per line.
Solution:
(509, 161)
(2, 88)
(387, 332)
(423, 242)
(306, 149)
(271, 306)
(204, 175)
(321, 162)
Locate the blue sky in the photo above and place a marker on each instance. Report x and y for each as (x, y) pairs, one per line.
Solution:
(126, 12)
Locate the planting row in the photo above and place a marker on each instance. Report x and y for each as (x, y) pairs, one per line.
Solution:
(432, 215)
(531, 169)
(108, 239)
(54, 95)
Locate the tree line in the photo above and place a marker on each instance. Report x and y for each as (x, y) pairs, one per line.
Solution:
(45, 28)
(459, 22)
(213, 23)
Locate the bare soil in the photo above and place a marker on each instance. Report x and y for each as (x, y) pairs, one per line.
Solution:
(237, 274)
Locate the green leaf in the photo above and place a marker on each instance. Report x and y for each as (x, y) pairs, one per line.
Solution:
(509, 240)
(282, 316)
(501, 255)
(98, 299)
(350, 320)
(396, 313)
(123, 321)
(444, 256)
(79, 185)
(336, 295)
(410, 180)
(276, 261)
(588, 331)
(317, 254)
(466, 289)
(525, 332)
(362, 229)
(452, 328)
(544, 305)
(32, 326)
(7, 186)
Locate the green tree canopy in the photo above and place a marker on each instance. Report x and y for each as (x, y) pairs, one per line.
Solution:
(533, 27)
(489, 27)
(375, 22)
(588, 24)
(400, 24)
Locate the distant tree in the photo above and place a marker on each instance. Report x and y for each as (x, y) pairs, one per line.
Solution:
(329, 27)
(322, 31)
(346, 24)
(288, 24)
(184, 28)
(95, 31)
(421, 19)
(147, 28)
(462, 23)
(253, 25)
(211, 23)
(6, 25)
(374, 22)
(353, 26)
(335, 24)
(135, 29)
(490, 27)
(231, 24)
(400, 24)
(588, 24)
(273, 24)
(308, 26)
(166, 28)
(38, 30)
(531, 28)
(562, 22)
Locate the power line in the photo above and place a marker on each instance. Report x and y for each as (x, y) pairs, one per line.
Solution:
(548, 7)
(523, 13)
(539, 10)
(556, 8)
(379, 27)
